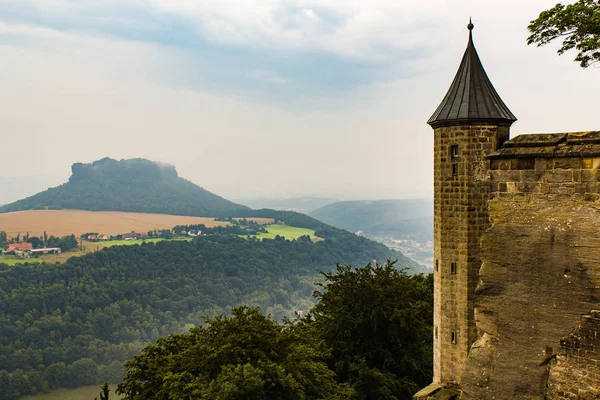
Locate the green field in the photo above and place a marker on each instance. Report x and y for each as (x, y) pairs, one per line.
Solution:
(80, 393)
(10, 260)
(288, 232)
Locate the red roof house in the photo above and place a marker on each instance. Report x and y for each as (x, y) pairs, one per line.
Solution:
(20, 246)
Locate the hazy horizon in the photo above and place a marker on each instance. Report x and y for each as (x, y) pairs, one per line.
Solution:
(17, 188)
(273, 99)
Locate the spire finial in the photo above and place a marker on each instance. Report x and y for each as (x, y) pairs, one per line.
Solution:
(470, 26)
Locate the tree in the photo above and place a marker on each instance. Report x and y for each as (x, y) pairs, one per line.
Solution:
(245, 356)
(3, 239)
(579, 26)
(104, 392)
(35, 242)
(378, 323)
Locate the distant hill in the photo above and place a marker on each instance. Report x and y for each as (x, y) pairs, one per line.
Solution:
(302, 205)
(135, 185)
(400, 218)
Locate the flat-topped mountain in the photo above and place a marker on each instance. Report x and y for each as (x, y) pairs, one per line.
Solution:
(134, 185)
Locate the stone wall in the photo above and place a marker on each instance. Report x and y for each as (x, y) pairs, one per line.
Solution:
(540, 269)
(540, 272)
(576, 372)
(524, 227)
(551, 167)
(462, 187)
(550, 179)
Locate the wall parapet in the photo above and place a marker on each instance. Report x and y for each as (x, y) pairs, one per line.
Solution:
(550, 145)
(558, 166)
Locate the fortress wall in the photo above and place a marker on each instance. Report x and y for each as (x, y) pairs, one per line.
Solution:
(540, 273)
(546, 178)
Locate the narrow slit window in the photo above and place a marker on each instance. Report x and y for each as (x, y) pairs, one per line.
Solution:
(454, 169)
(437, 265)
(436, 332)
(453, 268)
(453, 337)
(454, 151)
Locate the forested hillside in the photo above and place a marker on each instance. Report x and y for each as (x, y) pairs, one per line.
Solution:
(135, 185)
(400, 218)
(368, 337)
(75, 323)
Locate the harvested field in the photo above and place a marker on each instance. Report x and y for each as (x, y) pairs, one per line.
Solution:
(66, 222)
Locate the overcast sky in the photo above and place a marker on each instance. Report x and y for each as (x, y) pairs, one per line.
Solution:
(266, 97)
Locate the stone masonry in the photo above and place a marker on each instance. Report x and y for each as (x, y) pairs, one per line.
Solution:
(539, 274)
(462, 189)
(578, 361)
(517, 252)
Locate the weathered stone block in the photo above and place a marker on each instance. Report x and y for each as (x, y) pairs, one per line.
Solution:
(529, 187)
(567, 163)
(522, 163)
(532, 176)
(559, 176)
(542, 164)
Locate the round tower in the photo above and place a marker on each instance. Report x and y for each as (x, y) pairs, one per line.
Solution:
(471, 122)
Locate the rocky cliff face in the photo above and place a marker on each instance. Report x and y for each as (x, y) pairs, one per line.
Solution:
(540, 274)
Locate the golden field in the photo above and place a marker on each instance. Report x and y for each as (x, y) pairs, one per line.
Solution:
(66, 222)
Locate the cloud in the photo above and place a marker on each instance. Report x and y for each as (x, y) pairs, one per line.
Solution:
(372, 31)
(266, 98)
(267, 76)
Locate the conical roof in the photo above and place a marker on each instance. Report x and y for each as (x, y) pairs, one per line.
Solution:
(471, 98)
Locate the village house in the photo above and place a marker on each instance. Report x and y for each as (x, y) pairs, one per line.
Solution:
(19, 247)
(129, 236)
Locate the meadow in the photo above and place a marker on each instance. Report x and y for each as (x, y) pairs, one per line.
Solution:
(288, 232)
(80, 393)
(8, 260)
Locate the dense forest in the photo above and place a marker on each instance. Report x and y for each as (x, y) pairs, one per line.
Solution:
(75, 323)
(368, 337)
(409, 218)
(135, 185)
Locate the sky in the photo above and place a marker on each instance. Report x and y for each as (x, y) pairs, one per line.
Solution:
(269, 98)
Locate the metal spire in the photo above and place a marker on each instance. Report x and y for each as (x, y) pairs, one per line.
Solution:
(471, 98)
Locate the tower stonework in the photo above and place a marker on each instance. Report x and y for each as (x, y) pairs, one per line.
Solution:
(517, 252)
(461, 192)
(470, 124)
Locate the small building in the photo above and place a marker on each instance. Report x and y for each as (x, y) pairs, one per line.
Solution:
(129, 236)
(20, 246)
(46, 250)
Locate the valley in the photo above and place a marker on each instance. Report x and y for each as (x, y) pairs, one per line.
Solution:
(87, 289)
